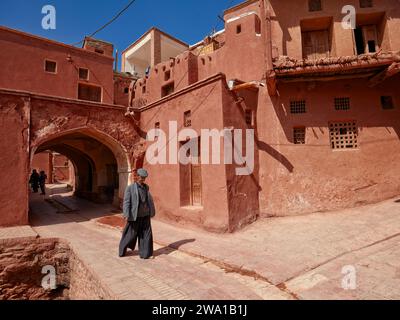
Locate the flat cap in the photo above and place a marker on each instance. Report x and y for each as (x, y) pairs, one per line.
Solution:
(142, 173)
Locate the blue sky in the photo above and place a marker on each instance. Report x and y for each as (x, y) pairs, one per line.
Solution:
(188, 20)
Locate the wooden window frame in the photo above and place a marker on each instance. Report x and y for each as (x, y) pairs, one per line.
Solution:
(79, 74)
(50, 72)
(91, 85)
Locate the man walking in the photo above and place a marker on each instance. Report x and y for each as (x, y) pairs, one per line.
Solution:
(138, 210)
(34, 181)
(42, 182)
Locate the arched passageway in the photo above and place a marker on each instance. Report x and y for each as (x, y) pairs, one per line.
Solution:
(101, 166)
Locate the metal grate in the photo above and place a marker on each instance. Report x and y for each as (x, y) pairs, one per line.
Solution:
(387, 102)
(343, 135)
(299, 135)
(366, 3)
(342, 103)
(298, 106)
(314, 5)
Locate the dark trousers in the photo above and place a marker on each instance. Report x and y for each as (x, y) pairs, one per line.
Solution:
(140, 229)
(43, 188)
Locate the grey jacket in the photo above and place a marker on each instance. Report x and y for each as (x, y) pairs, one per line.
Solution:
(131, 203)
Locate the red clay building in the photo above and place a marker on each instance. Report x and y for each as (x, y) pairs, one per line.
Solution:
(323, 102)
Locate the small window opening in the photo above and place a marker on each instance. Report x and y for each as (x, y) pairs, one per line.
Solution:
(387, 102)
(366, 3)
(50, 66)
(238, 28)
(187, 119)
(144, 89)
(358, 35)
(342, 103)
(99, 51)
(167, 90)
(83, 74)
(299, 135)
(126, 90)
(167, 75)
(298, 106)
(371, 46)
(314, 5)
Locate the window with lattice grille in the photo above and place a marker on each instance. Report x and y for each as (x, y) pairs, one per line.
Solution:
(299, 135)
(387, 102)
(298, 106)
(314, 5)
(342, 103)
(187, 119)
(343, 135)
(366, 3)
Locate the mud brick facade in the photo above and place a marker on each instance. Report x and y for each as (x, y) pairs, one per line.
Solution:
(323, 102)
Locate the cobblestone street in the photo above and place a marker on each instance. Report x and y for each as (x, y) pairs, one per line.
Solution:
(279, 258)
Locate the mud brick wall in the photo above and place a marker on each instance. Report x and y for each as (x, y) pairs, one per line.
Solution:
(21, 263)
(85, 285)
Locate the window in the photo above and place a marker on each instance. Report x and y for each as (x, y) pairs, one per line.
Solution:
(50, 66)
(299, 135)
(157, 129)
(126, 90)
(238, 28)
(258, 25)
(387, 102)
(89, 92)
(298, 106)
(314, 5)
(343, 135)
(144, 89)
(366, 4)
(187, 121)
(342, 103)
(167, 90)
(315, 44)
(366, 38)
(99, 51)
(167, 75)
(83, 74)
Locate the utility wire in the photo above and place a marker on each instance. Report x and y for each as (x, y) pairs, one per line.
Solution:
(110, 22)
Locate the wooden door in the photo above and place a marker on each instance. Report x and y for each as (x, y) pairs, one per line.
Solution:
(195, 178)
(196, 184)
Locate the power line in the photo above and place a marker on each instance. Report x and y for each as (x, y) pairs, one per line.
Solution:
(109, 22)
